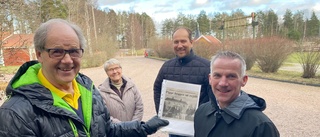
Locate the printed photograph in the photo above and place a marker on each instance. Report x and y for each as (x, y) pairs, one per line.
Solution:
(180, 104)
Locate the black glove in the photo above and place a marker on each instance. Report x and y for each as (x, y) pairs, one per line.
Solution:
(152, 125)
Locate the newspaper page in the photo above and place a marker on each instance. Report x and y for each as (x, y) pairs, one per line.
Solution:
(178, 104)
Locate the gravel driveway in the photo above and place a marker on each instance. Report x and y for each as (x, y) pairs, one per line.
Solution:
(294, 108)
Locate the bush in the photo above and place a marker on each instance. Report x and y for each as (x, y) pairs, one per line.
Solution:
(205, 49)
(95, 56)
(163, 48)
(245, 48)
(271, 52)
(309, 59)
(96, 60)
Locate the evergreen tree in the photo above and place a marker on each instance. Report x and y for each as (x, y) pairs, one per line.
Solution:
(298, 26)
(52, 9)
(288, 21)
(238, 19)
(203, 22)
(218, 25)
(298, 21)
(313, 26)
(180, 20)
(167, 28)
(268, 22)
(288, 26)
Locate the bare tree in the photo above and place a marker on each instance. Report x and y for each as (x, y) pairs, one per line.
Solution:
(271, 52)
(6, 28)
(309, 58)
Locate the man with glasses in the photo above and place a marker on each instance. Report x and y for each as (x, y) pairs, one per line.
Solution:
(49, 97)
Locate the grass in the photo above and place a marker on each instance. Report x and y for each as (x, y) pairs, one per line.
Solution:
(286, 76)
(292, 58)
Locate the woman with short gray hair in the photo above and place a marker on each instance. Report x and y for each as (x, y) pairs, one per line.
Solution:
(120, 94)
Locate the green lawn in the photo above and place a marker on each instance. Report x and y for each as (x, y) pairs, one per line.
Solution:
(282, 75)
(294, 57)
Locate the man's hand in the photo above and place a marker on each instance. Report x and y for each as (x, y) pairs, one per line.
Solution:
(152, 125)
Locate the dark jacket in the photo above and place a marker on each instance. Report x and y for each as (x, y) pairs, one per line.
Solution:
(190, 69)
(242, 118)
(32, 110)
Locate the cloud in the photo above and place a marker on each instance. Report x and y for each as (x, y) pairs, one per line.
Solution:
(316, 8)
(113, 2)
(162, 9)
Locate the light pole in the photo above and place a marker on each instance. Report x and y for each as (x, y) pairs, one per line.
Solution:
(222, 28)
(254, 23)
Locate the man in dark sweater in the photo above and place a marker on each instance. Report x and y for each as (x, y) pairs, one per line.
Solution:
(185, 67)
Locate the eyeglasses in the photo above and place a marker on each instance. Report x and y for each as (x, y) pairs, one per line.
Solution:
(113, 69)
(60, 53)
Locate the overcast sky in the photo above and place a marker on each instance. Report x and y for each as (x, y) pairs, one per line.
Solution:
(165, 9)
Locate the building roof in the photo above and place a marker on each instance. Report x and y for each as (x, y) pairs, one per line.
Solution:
(210, 39)
(18, 41)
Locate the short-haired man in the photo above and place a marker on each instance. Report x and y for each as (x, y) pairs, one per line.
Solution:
(185, 67)
(237, 114)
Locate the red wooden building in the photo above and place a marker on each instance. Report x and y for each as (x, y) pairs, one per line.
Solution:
(16, 49)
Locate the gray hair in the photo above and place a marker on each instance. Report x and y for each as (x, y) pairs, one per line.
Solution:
(110, 62)
(231, 55)
(40, 35)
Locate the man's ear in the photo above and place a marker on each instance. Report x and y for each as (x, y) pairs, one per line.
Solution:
(244, 80)
(39, 56)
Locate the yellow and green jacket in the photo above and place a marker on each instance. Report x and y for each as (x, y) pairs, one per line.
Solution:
(33, 110)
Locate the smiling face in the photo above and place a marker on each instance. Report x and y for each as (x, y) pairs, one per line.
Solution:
(60, 72)
(226, 81)
(114, 72)
(181, 43)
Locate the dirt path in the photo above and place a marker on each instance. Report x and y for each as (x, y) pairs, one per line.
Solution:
(293, 108)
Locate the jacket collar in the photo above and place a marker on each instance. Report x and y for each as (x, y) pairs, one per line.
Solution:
(105, 85)
(237, 107)
(26, 80)
(187, 58)
(124, 81)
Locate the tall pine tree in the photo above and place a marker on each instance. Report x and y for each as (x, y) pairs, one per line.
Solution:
(313, 26)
